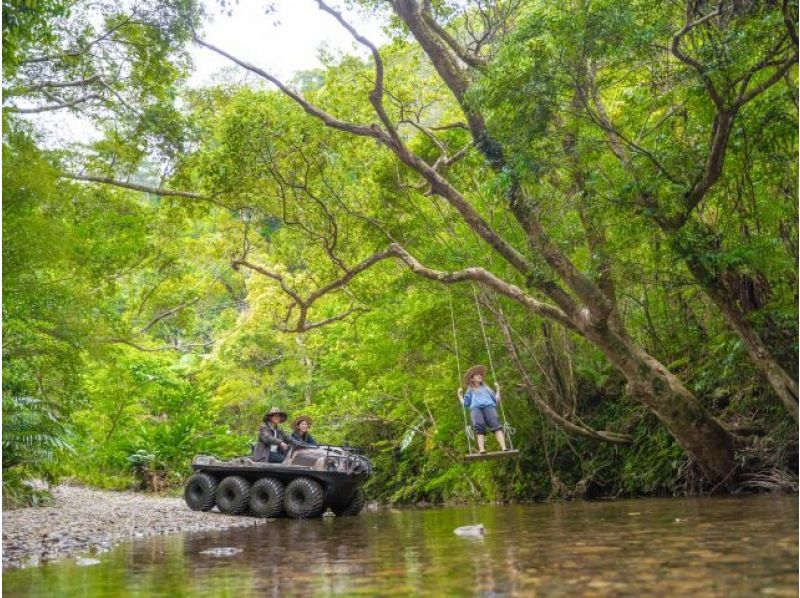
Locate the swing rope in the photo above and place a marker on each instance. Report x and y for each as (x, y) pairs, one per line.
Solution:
(507, 428)
(468, 432)
(483, 330)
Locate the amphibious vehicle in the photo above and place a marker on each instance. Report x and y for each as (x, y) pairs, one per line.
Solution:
(309, 480)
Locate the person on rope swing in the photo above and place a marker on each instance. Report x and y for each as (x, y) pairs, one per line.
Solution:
(302, 430)
(482, 404)
(273, 443)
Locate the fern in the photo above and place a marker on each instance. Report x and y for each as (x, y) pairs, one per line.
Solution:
(33, 434)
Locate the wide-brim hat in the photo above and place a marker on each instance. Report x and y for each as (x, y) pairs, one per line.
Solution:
(275, 411)
(475, 369)
(301, 418)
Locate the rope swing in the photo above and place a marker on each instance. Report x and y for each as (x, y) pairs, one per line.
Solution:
(508, 430)
(468, 431)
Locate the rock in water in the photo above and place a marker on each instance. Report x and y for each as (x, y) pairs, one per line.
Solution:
(470, 531)
(84, 562)
(228, 551)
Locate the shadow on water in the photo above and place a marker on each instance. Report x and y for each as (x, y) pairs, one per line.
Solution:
(724, 547)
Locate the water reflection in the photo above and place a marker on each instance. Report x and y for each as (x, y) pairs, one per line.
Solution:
(715, 547)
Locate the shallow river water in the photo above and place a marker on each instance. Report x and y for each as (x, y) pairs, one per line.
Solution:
(655, 547)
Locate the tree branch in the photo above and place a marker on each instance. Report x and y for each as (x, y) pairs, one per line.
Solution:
(174, 347)
(438, 184)
(723, 124)
(376, 95)
(615, 137)
(686, 59)
(167, 314)
(485, 278)
(306, 326)
(328, 119)
(546, 409)
(468, 58)
(62, 84)
(269, 274)
(745, 96)
(790, 21)
(395, 250)
(136, 187)
(521, 207)
(53, 107)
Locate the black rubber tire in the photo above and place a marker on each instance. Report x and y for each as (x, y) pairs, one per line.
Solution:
(352, 507)
(266, 498)
(304, 499)
(200, 492)
(233, 495)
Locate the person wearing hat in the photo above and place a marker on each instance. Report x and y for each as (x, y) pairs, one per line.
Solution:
(273, 443)
(482, 403)
(301, 426)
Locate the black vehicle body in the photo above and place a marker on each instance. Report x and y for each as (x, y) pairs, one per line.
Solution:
(310, 479)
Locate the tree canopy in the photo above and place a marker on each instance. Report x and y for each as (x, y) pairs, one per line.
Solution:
(611, 186)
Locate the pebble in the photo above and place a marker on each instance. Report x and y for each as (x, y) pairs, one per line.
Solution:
(470, 531)
(82, 520)
(84, 562)
(227, 551)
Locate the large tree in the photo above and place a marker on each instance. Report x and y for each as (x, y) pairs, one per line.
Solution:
(524, 121)
(571, 298)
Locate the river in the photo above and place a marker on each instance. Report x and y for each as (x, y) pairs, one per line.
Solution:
(657, 547)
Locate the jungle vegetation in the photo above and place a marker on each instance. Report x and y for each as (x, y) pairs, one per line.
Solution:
(606, 189)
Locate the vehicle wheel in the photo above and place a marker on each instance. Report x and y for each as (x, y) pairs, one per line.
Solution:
(266, 498)
(199, 492)
(352, 507)
(304, 499)
(233, 495)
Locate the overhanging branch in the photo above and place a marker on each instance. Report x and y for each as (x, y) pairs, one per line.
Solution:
(54, 107)
(328, 119)
(475, 274)
(438, 184)
(137, 187)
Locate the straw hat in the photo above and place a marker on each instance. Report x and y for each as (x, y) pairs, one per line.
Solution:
(301, 418)
(475, 369)
(275, 411)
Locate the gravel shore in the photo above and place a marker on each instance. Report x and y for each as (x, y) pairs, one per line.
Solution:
(82, 519)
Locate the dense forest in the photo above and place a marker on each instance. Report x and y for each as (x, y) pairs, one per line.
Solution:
(596, 199)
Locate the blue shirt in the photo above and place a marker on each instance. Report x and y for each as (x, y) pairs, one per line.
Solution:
(478, 398)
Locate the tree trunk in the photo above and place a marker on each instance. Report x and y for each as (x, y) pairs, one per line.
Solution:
(783, 385)
(696, 431)
(308, 365)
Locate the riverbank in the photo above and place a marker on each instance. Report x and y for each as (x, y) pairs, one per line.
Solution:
(85, 520)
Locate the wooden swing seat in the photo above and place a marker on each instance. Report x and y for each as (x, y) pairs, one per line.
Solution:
(490, 455)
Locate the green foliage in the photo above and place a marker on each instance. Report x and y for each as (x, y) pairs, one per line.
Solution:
(32, 432)
(34, 440)
(26, 23)
(129, 338)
